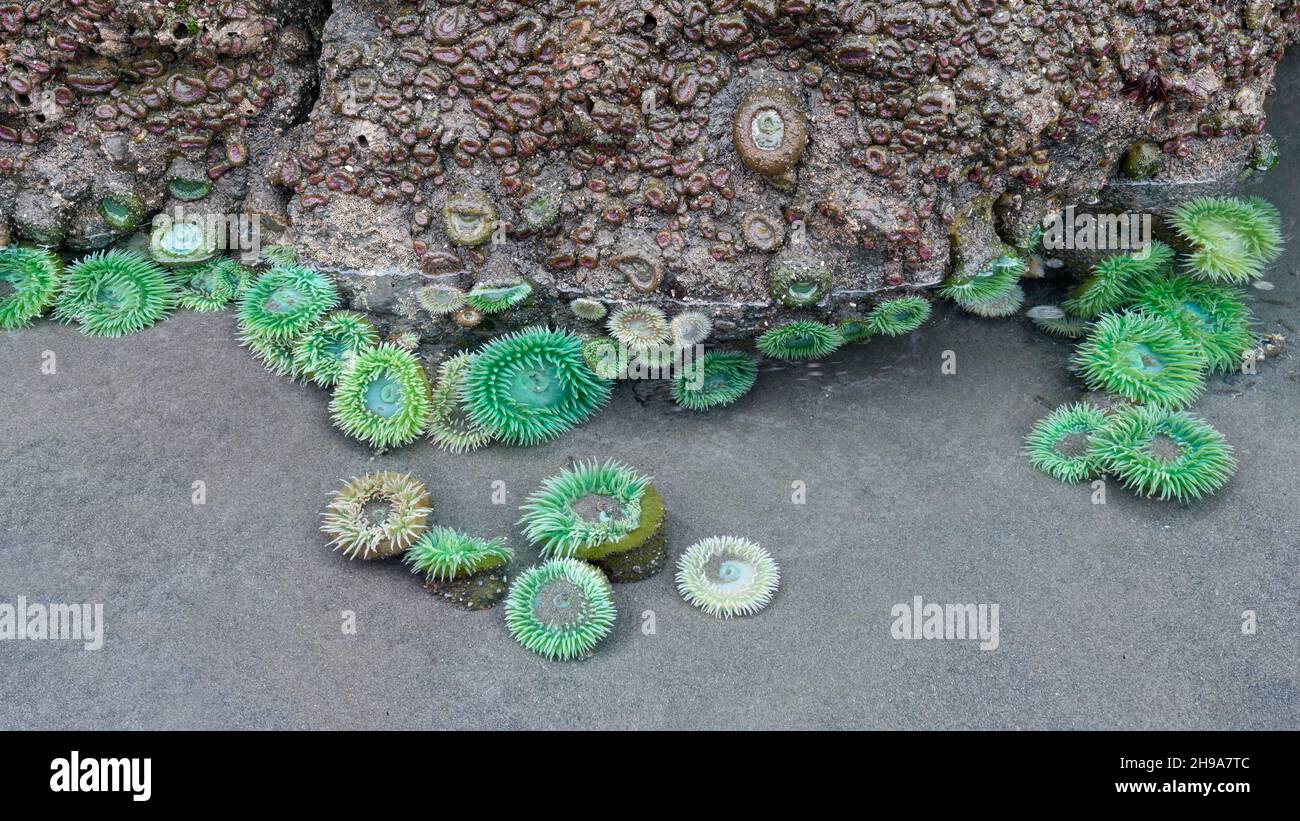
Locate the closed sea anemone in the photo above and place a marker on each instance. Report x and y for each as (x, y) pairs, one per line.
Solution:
(800, 339)
(560, 609)
(377, 515)
(639, 326)
(587, 506)
(726, 376)
(727, 576)
(322, 352)
(1141, 358)
(798, 280)
(114, 293)
(285, 301)
(186, 241)
(462, 569)
(382, 397)
(1232, 239)
(1208, 314)
(1060, 444)
(450, 426)
(29, 284)
(532, 385)
(898, 316)
(1118, 280)
(1164, 454)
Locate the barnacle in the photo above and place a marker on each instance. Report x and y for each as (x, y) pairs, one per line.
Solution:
(560, 609)
(113, 293)
(719, 378)
(29, 284)
(284, 302)
(212, 285)
(1232, 239)
(493, 297)
(1142, 358)
(800, 339)
(377, 515)
(382, 397)
(1162, 453)
(798, 280)
(449, 425)
(1118, 280)
(322, 352)
(1060, 443)
(532, 385)
(439, 299)
(582, 510)
(727, 576)
(1206, 313)
(690, 328)
(639, 326)
(988, 284)
(900, 315)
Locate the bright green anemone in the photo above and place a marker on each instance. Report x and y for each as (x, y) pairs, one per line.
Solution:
(382, 397)
(114, 293)
(29, 285)
(286, 301)
(986, 285)
(588, 505)
(1232, 239)
(606, 357)
(494, 297)
(727, 576)
(855, 330)
(1141, 358)
(560, 609)
(1165, 454)
(322, 352)
(532, 385)
(898, 316)
(1208, 314)
(275, 354)
(449, 425)
(1060, 444)
(1054, 320)
(1003, 306)
(726, 376)
(212, 285)
(1118, 280)
(443, 554)
(800, 339)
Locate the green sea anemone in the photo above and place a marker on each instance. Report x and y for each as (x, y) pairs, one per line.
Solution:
(800, 339)
(727, 376)
(606, 357)
(403, 338)
(212, 285)
(493, 297)
(640, 553)
(1053, 319)
(285, 301)
(322, 352)
(377, 515)
(1162, 453)
(469, 218)
(588, 309)
(443, 554)
(989, 284)
(1209, 314)
(639, 326)
(798, 280)
(275, 354)
(727, 576)
(855, 330)
(29, 284)
(279, 256)
(121, 212)
(439, 299)
(450, 426)
(900, 315)
(382, 397)
(1232, 239)
(114, 293)
(585, 507)
(186, 241)
(1003, 306)
(690, 328)
(532, 385)
(560, 609)
(1060, 444)
(1118, 280)
(1141, 358)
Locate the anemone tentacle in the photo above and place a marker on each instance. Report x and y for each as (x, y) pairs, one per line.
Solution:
(114, 293)
(899, 315)
(726, 376)
(322, 352)
(450, 426)
(285, 301)
(587, 506)
(800, 339)
(443, 554)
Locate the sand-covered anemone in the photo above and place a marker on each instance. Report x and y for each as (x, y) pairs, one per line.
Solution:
(377, 515)
(560, 609)
(690, 328)
(1165, 454)
(639, 327)
(988, 284)
(180, 242)
(322, 352)
(591, 310)
(800, 339)
(286, 301)
(899, 315)
(1208, 314)
(1060, 444)
(727, 576)
(798, 280)
(212, 285)
(532, 385)
(382, 397)
(465, 570)
(718, 379)
(1142, 358)
(29, 284)
(586, 506)
(114, 293)
(1232, 240)
(770, 132)
(1054, 320)
(450, 426)
(495, 296)
(440, 299)
(469, 218)
(1118, 280)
